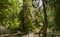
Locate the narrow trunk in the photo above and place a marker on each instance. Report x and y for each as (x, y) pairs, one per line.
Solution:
(22, 18)
(44, 28)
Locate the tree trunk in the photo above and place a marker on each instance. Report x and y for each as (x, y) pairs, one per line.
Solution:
(44, 28)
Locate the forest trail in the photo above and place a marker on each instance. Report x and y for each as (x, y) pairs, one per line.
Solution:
(6, 32)
(30, 35)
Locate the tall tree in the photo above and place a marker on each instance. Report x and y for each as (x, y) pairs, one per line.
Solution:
(25, 15)
(44, 28)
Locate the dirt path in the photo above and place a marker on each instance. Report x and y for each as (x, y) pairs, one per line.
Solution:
(4, 30)
(30, 35)
(6, 33)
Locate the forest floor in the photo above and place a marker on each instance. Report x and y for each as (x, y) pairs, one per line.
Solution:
(30, 35)
(6, 33)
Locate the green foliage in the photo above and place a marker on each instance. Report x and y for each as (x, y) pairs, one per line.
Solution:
(9, 11)
(20, 15)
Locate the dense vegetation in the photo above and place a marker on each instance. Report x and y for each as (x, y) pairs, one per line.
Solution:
(25, 16)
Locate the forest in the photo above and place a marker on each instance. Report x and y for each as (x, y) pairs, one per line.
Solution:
(29, 18)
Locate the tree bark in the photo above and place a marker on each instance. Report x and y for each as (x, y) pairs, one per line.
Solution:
(44, 28)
